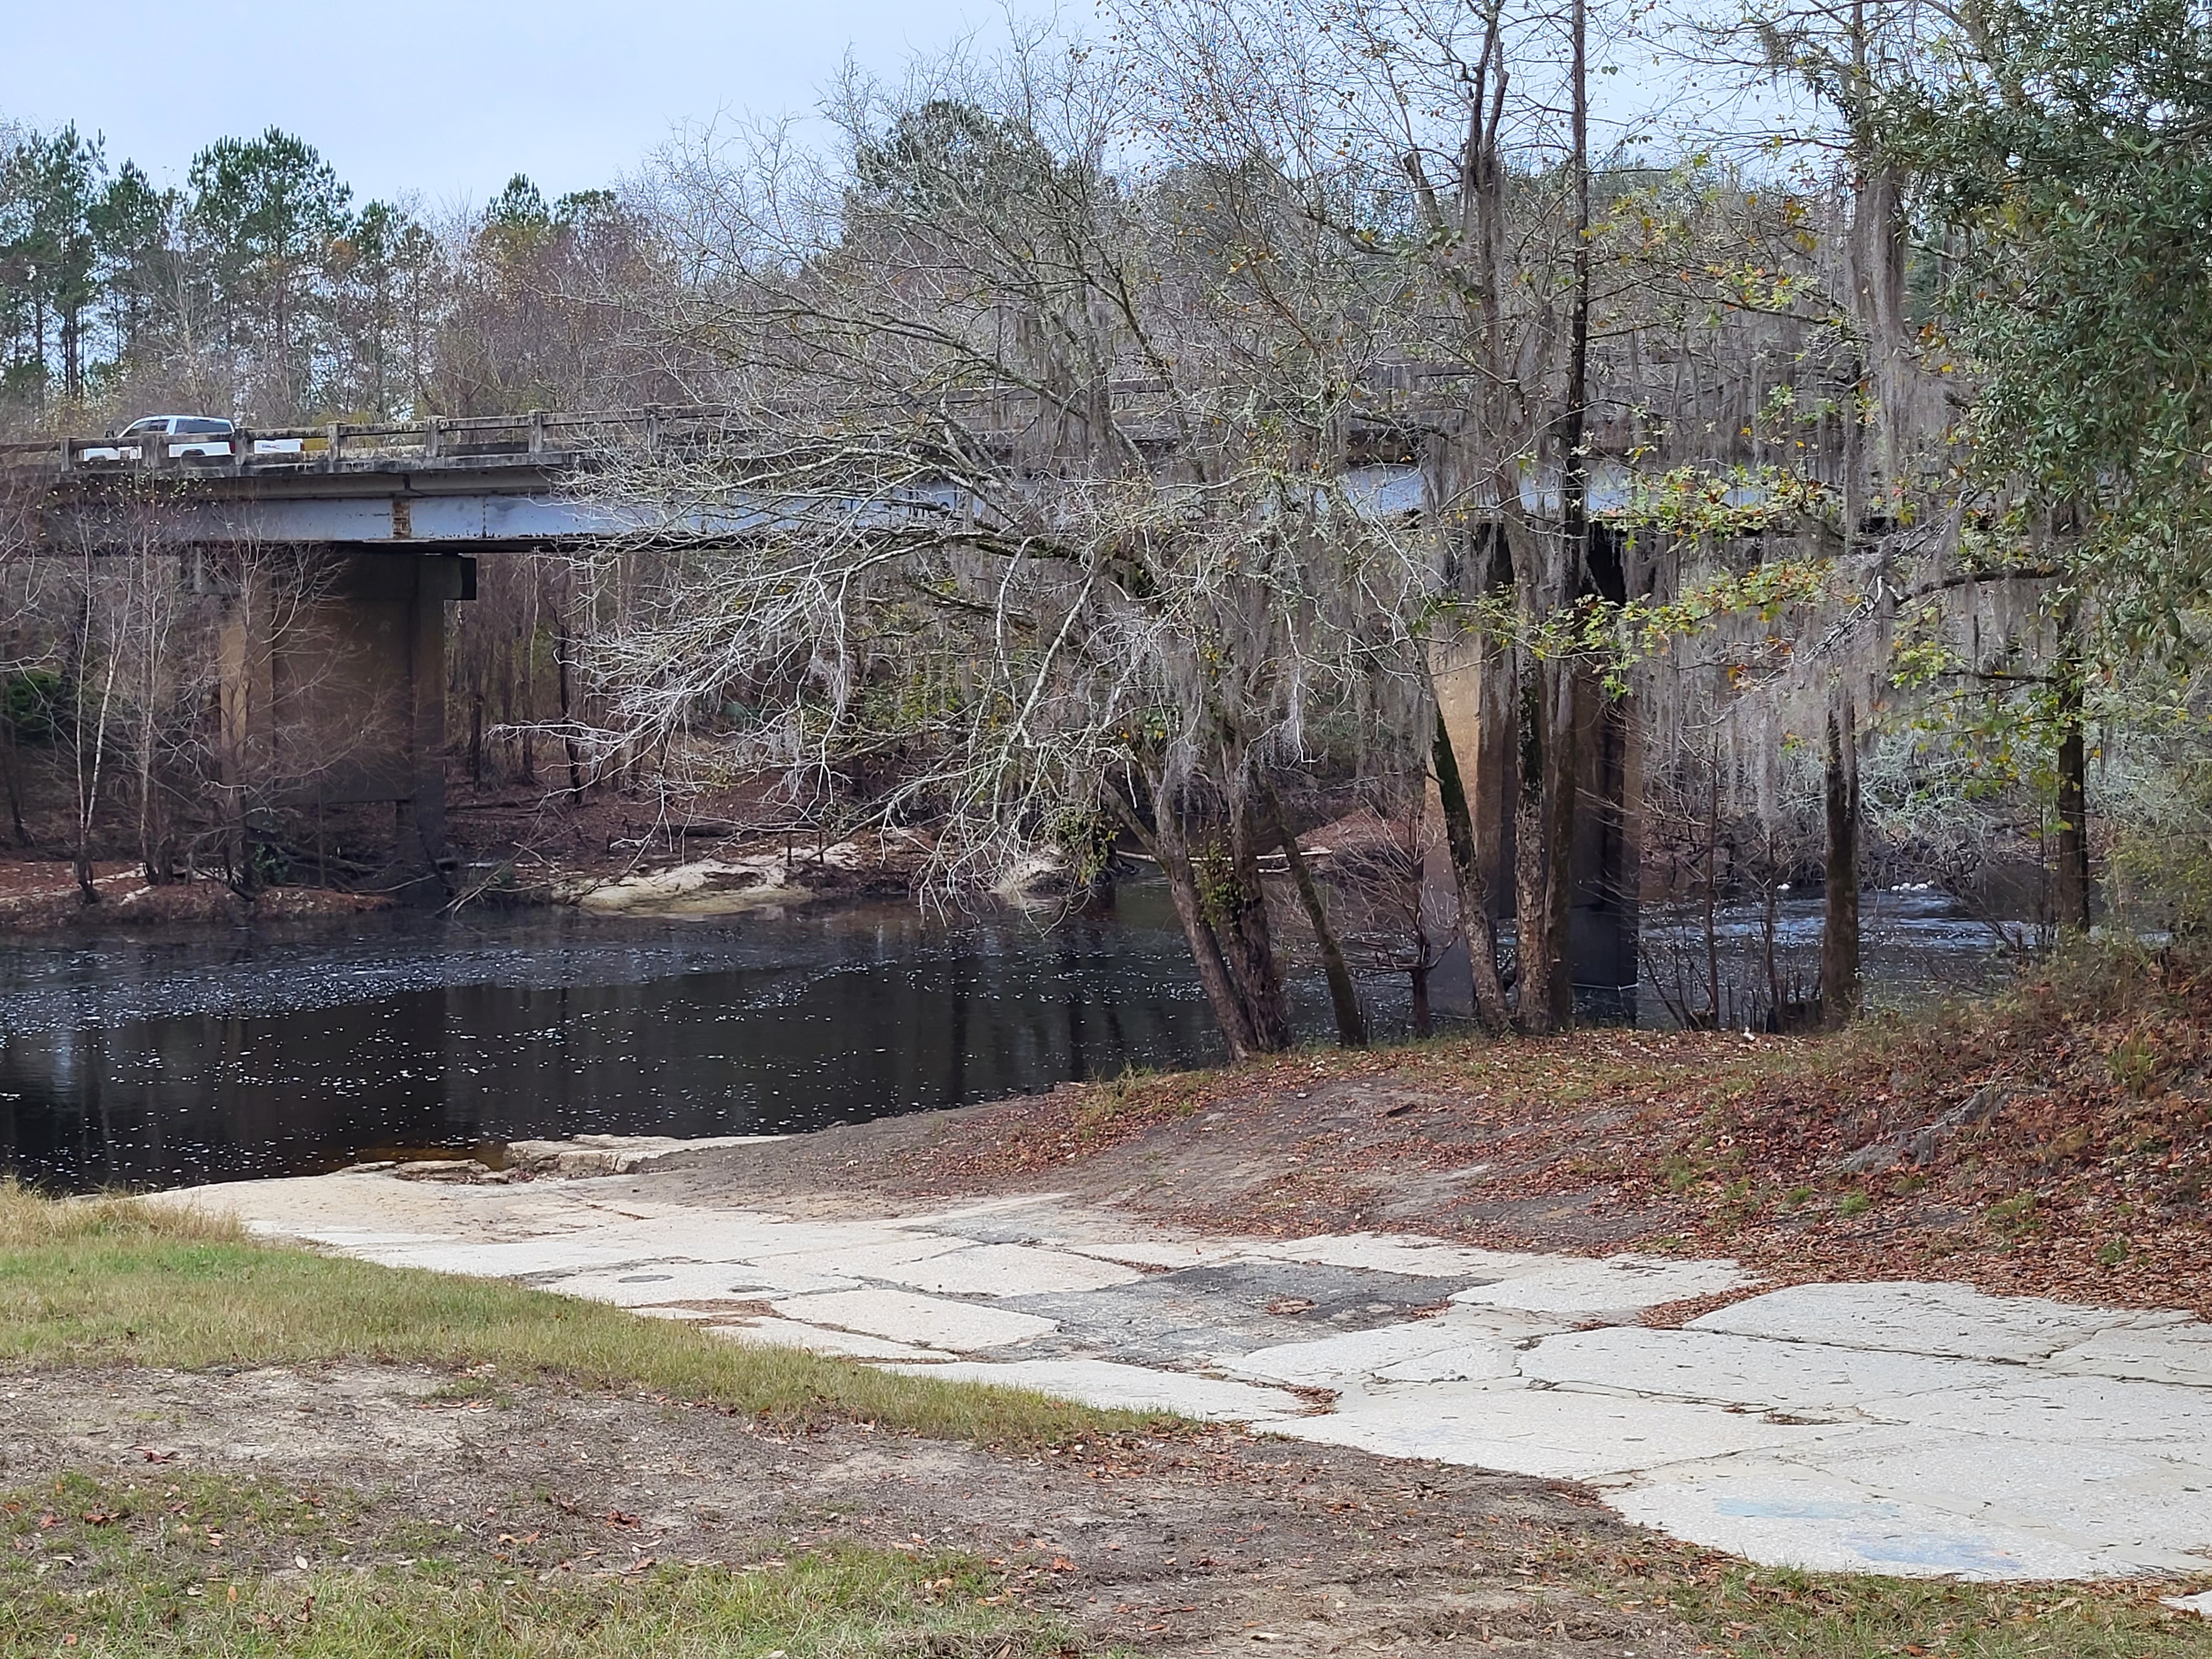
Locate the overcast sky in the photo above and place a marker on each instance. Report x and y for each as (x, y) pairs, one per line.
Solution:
(444, 100)
(447, 99)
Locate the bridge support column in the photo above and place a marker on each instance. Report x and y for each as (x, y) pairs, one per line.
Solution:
(245, 712)
(369, 684)
(438, 581)
(1475, 694)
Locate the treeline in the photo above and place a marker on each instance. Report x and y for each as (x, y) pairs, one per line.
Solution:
(261, 290)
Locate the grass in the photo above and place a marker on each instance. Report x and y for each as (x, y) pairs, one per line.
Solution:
(113, 1281)
(1772, 1612)
(216, 1568)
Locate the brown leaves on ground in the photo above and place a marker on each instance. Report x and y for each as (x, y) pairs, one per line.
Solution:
(42, 895)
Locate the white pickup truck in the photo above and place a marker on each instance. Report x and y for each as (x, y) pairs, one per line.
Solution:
(182, 434)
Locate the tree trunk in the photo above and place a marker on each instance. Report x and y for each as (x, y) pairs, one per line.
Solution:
(1839, 929)
(11, 779)
(1343, 996)
(1473, 883)
(1562, 796)
(87, 782)
(1166, 844)
(1549, 798)
(1532, 862)
(152, 840)
(1713, 894)
(568, 740)
(1238, 907)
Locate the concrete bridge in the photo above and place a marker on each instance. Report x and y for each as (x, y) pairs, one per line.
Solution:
(435, 487)
(398, 513)
(395, 516)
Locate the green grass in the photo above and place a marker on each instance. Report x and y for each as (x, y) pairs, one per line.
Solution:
(213, 1568)
(113, 1281)
(1772, 1613)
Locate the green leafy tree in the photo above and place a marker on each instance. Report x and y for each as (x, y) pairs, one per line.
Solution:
(380, 271)
(2063, 159)
(269, 210)
(2067, 164)
(48, 187)
(134, 232)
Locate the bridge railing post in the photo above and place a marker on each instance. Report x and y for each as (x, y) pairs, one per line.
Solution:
(430, 437)
(538, 432)
(334, 441)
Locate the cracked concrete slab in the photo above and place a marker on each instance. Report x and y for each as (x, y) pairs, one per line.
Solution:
(1457, 1347)
(1914, 1428)
(1719, 1369)
(1615, 1285)
(779, 1333)
(1551, 1433)
(2169, 1351)
(1009, 1270)
(1771, 1508)
(904, 1316)
(1383, 1253)
(1913, 1317)
(654, 1284)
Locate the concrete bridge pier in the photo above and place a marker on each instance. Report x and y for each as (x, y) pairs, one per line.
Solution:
(1475, 694)
(331, 693)
(437, 583)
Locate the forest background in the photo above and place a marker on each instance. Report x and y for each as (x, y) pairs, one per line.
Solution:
(1231, 420)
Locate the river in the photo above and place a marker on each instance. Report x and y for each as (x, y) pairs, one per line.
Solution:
(156, 1061)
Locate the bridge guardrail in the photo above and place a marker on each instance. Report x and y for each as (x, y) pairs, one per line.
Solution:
(542, 433)
(333, 444)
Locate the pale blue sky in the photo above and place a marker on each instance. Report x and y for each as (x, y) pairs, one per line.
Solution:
(447, 98)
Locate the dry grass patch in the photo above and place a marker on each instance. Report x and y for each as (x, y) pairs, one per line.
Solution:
(112, 1281)
(242, 1569)
(1775, 1614)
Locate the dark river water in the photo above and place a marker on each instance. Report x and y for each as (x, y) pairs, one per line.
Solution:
(151, 1062)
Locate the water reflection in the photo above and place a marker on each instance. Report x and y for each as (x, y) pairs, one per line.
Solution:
(153, 1063)
(148, 1062)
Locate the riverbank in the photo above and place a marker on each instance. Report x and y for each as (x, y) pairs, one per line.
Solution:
(2056, 1140)
(721, 853)
(274, 1484)
(743, 875)
(42, 896)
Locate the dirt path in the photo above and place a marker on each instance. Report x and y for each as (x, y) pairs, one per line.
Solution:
(1226, 1544)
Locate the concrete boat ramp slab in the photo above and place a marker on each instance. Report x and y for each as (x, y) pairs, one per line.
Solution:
(1921, 1428)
